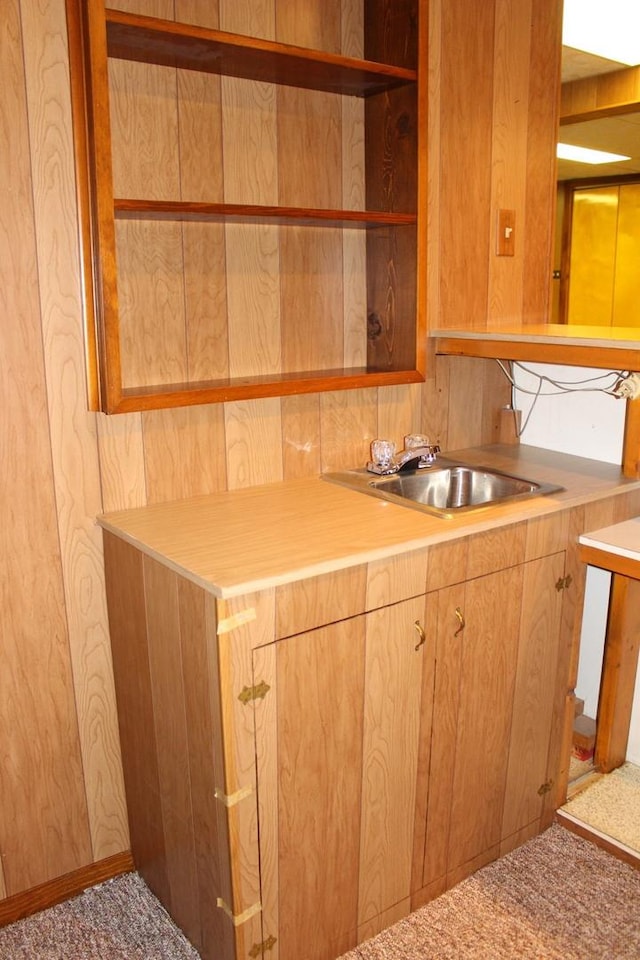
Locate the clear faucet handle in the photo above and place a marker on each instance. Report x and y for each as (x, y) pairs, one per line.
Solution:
(382, 452)
(414, 440)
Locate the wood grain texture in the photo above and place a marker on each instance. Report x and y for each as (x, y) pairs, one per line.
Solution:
(392, 711)
(619, 668)
(446, 707)
(44, 826)
(240, 850)
(55, 891)
(487, 676)
(320, 761)
(396, 578)
(197, 625)
(509, 152)
(537, 684)
(72, 429)
(545, 32)
(184, 452)
(465, 192)
(309, 603)
(171, 742)
(126, 601)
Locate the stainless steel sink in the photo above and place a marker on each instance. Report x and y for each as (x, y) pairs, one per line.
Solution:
(446, 488)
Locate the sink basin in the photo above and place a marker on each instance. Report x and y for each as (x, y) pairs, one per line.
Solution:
(445, 488)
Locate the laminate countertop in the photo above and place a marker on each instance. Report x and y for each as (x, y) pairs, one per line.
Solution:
(251, 539)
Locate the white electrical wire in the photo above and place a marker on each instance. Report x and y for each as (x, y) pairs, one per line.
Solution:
(560, 386)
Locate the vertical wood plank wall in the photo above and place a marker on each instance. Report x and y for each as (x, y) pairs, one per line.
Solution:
(62, 801)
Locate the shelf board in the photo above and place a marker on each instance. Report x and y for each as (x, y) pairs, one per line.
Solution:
(601, 347)
(155, 396)
(253, 213)
(172, 44)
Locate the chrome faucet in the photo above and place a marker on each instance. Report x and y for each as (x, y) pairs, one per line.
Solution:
(418, 453)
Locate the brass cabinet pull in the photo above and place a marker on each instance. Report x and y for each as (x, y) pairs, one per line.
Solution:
(461, 620)
(419, 630)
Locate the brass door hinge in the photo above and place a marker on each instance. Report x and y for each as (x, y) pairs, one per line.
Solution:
(259, 949)
(259, 692)
(545, 788)
(564, 582)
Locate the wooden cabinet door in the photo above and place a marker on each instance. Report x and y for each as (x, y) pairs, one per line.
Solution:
(337, 751)
(494, 698)
(539, 698)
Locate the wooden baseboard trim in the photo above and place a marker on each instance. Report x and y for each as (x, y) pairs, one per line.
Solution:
(48, 894)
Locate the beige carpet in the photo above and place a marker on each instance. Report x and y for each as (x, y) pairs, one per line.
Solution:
(612, 805)
(556, 898)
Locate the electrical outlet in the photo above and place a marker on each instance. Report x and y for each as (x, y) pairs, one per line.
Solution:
(628, 388)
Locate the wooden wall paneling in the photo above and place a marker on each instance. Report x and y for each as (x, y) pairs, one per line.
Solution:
(535, 694)
(496, 394)
(399, 412)
(253, 431)
(509, 153)
(392, 34)
(145, 151)
(122, 464)
(320, 677)
(201, 167)
(435, 401)
(252, 255)
(465, 403)
(477, 391)
(127, 623)
(148, 8)
(348, 421)
(3, 887)
(250, 157)
(430, 182)
(354, 249)
(44, 828)
(392, 709)
(544, 75)
(300, 436)
(72, 430)
(171, 737)
(204, 13)
(311, 259)
(185, 452)
(466, 93)
(197, 616)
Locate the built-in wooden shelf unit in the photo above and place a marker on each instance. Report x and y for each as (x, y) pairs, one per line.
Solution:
(249, 207)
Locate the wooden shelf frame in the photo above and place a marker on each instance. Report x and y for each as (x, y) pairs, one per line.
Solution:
(255, 213)
(98, 35)
(172, 44)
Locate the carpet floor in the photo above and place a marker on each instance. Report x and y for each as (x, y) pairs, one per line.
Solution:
(558, 897)
(612, 805)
